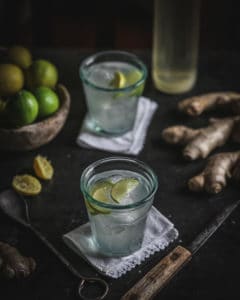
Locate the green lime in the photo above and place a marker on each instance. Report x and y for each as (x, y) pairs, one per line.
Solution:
(101, 192)
(22, 109)
(119, 80)
(20, 56)
(123, 187)
(48, 101)
(11, 79)
(41, 73)
(131, 78)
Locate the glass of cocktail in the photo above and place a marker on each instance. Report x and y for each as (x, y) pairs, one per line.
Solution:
(118, 194)
(112, 82)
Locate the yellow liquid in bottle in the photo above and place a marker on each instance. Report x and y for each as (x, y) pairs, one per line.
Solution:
(175, 45)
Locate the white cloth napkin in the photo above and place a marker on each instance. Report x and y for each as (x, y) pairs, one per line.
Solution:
(129, 143)
(159, 232)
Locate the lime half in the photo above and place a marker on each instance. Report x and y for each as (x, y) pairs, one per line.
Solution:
(123, 187)
(100, 192)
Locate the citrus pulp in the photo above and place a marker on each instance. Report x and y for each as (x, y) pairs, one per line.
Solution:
(26, 185)
(43, 167)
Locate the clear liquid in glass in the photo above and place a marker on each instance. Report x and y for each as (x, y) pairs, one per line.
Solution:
(112, 112)
(120, 232)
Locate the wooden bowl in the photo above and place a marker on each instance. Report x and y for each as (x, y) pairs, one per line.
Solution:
(37, 134)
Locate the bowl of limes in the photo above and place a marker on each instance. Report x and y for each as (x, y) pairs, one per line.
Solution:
(33, 105)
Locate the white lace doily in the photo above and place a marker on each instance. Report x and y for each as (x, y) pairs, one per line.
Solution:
(158, 234)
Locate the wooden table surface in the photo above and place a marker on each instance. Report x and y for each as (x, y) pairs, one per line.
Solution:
(213, 271)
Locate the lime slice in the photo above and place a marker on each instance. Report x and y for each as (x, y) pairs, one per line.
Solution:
(101, 192)
(131, 78)
(119, 80)
(90, 208)
(123, 187)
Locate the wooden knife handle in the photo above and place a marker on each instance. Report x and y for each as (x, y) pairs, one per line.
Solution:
(147, 287)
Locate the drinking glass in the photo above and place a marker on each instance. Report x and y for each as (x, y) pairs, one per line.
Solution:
(112, 82)
(118, 227)
(175, 45)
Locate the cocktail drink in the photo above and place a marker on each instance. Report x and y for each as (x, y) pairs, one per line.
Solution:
(118, 194)
(113, 82)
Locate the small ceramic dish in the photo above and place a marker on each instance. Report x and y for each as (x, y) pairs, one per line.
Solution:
(39, 133)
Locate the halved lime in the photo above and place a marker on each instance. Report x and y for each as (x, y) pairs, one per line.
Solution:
(101, 192)
(119, 80)
(26, 185)
(123, 187)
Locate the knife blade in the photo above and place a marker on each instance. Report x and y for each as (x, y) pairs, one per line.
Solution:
(147, 287)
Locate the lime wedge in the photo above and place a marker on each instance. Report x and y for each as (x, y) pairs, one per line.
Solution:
(121, 188)
(131, 78)
(119, 80)
(101, 192)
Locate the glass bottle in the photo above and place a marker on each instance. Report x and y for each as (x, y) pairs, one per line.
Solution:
(175, 45)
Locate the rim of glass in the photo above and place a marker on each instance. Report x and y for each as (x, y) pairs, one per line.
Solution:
(153, 176)
(91, 59)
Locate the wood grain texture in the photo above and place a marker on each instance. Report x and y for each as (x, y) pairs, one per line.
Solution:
(158, 276)
(37, 134)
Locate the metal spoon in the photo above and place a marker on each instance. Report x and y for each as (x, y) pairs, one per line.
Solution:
(19, 211)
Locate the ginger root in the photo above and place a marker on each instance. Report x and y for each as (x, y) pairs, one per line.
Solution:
(13, 264)
(200, 142)
(220, 167)
(195, 106)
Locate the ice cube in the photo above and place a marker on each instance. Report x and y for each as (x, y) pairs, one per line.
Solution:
(101, 76)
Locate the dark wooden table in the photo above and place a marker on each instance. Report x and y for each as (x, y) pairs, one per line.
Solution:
(213, 273)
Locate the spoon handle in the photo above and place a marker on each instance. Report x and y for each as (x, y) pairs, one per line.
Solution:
(71, 268)
(57, 253)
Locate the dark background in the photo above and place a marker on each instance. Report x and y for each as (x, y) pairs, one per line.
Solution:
(214, 271)
(95, 24)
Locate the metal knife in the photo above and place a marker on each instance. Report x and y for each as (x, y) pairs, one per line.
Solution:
(147, 287)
